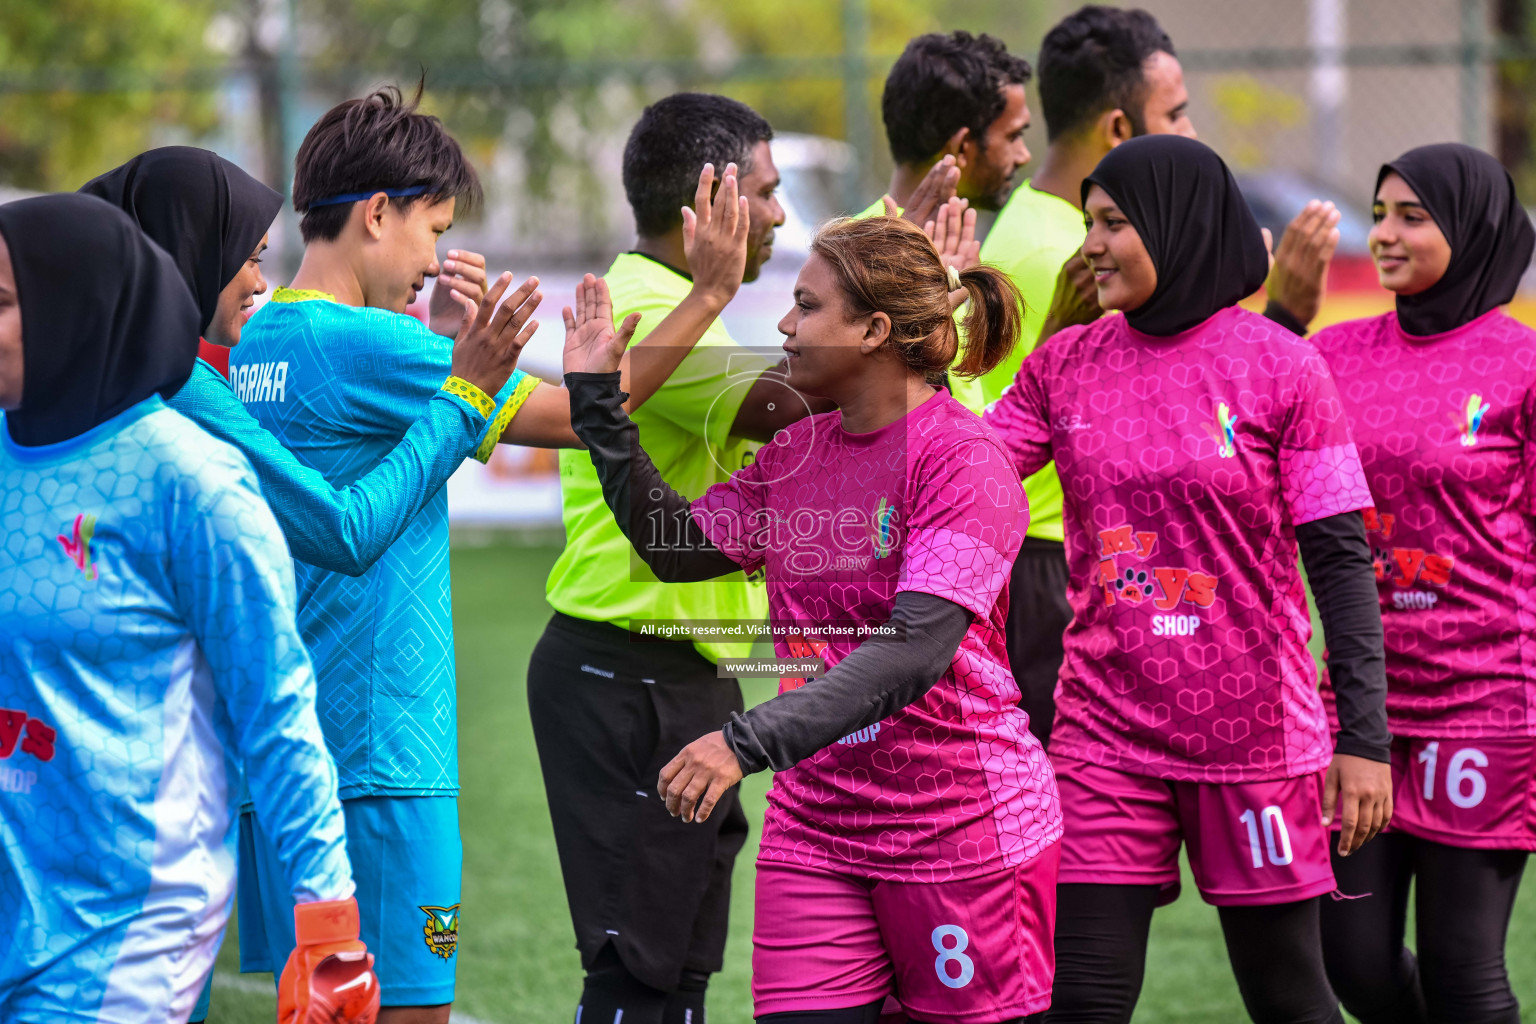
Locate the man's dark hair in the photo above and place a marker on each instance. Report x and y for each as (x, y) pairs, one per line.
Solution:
(371, 144)
(1092, 62)
(941, 84)
(674, 138)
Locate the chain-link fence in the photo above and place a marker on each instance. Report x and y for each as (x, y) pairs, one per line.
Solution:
(1301, 96)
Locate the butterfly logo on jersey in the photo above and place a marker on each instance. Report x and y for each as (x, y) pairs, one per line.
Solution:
(442, 929)
(1470, 419)
(78, 546)
(880, 532)
(1223, 431)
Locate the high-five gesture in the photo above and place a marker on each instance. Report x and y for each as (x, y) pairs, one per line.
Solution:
(953, 230)
(462, 275)
(490, 340)
(715, 235)
(591, 343)
(937, 188)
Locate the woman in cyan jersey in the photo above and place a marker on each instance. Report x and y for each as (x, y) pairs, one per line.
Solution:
(1441, 398)
(1199, 445)
(149, 655)
(910, 844)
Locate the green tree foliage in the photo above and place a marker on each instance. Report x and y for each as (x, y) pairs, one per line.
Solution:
(82, 84)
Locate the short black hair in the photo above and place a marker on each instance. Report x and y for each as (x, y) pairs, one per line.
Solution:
(942, 83)
(1092, 61)
(375, 143)
(674, 138)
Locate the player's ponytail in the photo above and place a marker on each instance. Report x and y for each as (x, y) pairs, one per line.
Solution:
(890, 265)
(993, 319)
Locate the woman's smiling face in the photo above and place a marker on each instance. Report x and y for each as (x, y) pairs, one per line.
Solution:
(1122, 267)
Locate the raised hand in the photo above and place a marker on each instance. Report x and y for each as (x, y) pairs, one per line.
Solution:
(463, 273)
(937, 188)
(953, 231)
(490, 340)
(592, 345)
(693, 782)
(715, 236)
(1300, 268)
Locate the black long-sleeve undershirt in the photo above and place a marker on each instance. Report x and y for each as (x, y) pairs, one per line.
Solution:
(876, 679)
(1337, 558)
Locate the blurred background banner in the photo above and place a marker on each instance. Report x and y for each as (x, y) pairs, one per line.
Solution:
(1304, 98)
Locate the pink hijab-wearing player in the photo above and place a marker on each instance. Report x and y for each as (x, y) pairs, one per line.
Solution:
(910, 847)
(1199, 445)
(1441, 397)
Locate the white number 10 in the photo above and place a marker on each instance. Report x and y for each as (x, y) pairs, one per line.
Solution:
(1277, 841)
(1465, 786)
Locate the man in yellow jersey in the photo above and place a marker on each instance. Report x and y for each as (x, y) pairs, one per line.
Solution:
(611, 704)
(956, 100)
(1107, 74)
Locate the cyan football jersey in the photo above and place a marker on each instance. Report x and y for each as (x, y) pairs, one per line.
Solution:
(148, 656)
(354, 379)
(340, 529)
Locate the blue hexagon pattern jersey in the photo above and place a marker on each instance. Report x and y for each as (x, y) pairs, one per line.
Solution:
(148, 658)
(354, 381)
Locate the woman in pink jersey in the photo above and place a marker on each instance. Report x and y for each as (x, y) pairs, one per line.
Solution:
(910, 843)
(1198, 446)
(1441, 397)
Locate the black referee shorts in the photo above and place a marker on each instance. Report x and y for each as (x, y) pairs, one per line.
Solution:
(1038, 615)
(608, 713)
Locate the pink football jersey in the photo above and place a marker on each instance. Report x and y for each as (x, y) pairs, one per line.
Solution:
(1445, 426)
(954, 784)
(1186, 462)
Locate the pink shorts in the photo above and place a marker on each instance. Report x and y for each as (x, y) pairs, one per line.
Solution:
(1477, 794)
(1250, 843)
(970, 951)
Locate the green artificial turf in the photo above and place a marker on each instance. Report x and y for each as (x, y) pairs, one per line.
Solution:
(517, 960)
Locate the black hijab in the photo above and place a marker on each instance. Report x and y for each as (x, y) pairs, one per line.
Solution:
(106, 319)
(197, 206)
(1202, 238)
(1472, 199)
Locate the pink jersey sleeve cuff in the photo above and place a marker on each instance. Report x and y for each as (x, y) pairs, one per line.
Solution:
(956, 567)
(1323, 482)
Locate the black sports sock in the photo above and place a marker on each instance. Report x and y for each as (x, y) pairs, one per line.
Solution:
(1101, 951)
(869, 1014)
(686, 1003)
(610, 994)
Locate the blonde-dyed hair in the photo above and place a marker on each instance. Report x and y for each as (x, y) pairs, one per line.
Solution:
(888, 265)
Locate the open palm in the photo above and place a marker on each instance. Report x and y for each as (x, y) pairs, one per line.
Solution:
(592, 344)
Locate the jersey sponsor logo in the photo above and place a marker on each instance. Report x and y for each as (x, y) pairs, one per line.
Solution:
(1223, 431)
(20, 731)
(1407, 567)
(442, 929)
(78, 545)
(880, 532)
(17, 780)
(863, 735)
(1165, 586)
(1469, 419)
(260, 382)
(800, 646)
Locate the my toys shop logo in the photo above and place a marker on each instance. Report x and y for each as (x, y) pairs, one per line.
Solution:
(1127, 578)
(1406, 568)
(21, 733)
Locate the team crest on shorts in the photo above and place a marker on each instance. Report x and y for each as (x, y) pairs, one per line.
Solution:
(442, 929)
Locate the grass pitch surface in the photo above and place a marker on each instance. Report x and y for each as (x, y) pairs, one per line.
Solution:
(517, 958)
